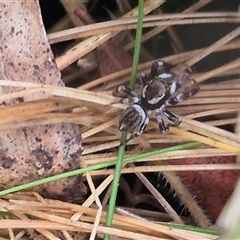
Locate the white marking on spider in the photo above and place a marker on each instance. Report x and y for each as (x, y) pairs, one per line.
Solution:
(160, 63)
(155, 100)
(143, 91)
(135, 99)
(140, 111)
(173, 88)
(165, 75)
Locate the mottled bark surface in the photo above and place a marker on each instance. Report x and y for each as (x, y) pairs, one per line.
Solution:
(34, 153)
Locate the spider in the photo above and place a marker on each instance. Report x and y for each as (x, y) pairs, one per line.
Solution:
(165, 85)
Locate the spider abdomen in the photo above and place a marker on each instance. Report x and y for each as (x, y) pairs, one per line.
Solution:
(132, 118)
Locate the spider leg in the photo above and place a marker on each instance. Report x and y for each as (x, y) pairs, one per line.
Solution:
(138, 133)
(161, 68)
(144, 125)
(162, 127)
(126, 90)
(155, 67)
(141, 80)
(123, 92)
(174, 87)
(171, 117)
(141, 130)
(186, 95)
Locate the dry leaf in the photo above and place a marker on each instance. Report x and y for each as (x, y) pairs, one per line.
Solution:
(34, 153)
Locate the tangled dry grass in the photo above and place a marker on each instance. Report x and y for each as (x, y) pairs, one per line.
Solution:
(96, 111)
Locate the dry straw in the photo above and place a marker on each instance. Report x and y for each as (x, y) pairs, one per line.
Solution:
(97, 112)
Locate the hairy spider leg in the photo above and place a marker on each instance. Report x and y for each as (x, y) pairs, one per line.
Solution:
(134, 96)
(162, 127)
(174, 87)
(138, 133)
(183, 96)
(181, 68)
(155, 66)
(127, 90)
(171, 117)
(160, 67)
(141, 130)
(141, 80)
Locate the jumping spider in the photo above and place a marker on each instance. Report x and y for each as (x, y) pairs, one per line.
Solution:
(166, 85)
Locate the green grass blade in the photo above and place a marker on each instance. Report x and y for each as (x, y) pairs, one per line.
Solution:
(98, 167)
(121, 150)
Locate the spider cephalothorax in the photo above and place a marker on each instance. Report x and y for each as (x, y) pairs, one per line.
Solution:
(166, 84)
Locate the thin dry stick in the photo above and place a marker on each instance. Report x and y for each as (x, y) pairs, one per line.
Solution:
(21, 224)
(188, 200)
(206, 107)
(174, 155)
(91, 43)
(23, 120)
(206, 140)
(147, 227)
(207, 100)
(217, 71)
(159, 198)
(213, 132)
(107, 194)
(98, 202)
(222, 122)
(91, 198)
(11, 234)
(99, 212)
(149, 21)
(99, 128)
(156, 228)
(44, 232)
(125, 212)
(212, 112)
(218, 93)
(72, 226)
(101, 158)
(157, 30)
(47, 234)
(19, 235)
(228, 84)
(173, 58)
(86, 96)
(214, 46)
(67, 235)
(171, 168)
(100, 147)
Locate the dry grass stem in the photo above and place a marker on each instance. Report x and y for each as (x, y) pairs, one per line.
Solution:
(208, 117)
(149, 21)
(93, 42)
(57, 218)
(159, 197)
(214, 46)
(101, 158)
(170, 168)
